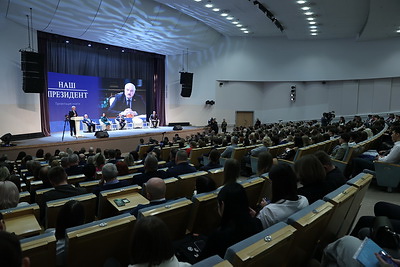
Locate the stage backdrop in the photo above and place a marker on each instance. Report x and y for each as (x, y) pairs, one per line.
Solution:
(91, 95)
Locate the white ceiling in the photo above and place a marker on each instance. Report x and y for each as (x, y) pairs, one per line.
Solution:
(173, 26)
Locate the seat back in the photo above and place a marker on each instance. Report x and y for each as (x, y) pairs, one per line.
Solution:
(24, 197)
(143, 150)
(310, 223)
(187, 183)
(105, 208)
(238, 153)
(91, 244)
(217, 175)
(215, 261)
(387, 174)
(342, 199)
(204, 216)
(53, 208)
(23, 221)
(89, 185)
(361, 182)
(174, 213)
(270, 246)
(39, 195)
(253, 188)
(196, 153)
(40, 249)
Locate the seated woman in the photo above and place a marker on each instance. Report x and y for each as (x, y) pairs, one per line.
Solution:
(152, 244)
(236, 222)
(285, 200)
(311, 174)
(106, 121)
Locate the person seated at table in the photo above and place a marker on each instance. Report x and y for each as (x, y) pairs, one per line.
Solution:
(154, 119)
(120, 118)
(106, 121)
(91, 125)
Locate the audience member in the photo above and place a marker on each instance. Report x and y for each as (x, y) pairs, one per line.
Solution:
(231, 171)
(122, 168)
(10, 251)
(213, 163)
(334, 177)
(340, 151)
(229, 149)
(311, 174)
(155, 193)
(9, 195)
(109, 179)
(182, 166)
(150, 171)
(264, 163)
(236, 222)
(58, 178)
(285, 200)
(152, 244)
(74, 168)
(205, 184)
(172, 156)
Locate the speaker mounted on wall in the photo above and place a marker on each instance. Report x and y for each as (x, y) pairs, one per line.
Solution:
(32, 72)
(186, 80)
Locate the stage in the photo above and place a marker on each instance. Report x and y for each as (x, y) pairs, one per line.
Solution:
(125, 140)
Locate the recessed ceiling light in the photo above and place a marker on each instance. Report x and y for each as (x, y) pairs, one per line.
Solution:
(245, 31)
(89, 45)
(309, 13)
(216, 9)
(313, 30)
(229, 18)
(310, 18)
(67, 41)
(312, 22)
(301, 2)
(313, 27)
(305, 8)
(235, 22)
(209, 5)
(314, 33)
(398, 31)
(224, 13)
(239, 25)
(197, 0)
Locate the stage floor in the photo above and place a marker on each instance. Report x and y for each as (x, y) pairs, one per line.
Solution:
(126, 140)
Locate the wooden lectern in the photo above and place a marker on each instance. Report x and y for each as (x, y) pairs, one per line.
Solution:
(78, 125)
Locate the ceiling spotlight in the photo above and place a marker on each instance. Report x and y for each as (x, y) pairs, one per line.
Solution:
(209, 5)
(313, 30)
(309, 13)
(67, 41)
(235, 22)
(310, 18)
(106, 48)
(216, 9)
(314, 33)
(225, 13)
(301, 2)
(398, 31)
(89, 45)
(305, 8)
(312, 22)
(229, 18)
(313, 27)
(245, 31)
(122, 50)
(239, 25)
(197, 0)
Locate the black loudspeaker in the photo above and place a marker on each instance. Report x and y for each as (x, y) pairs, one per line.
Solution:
(101, 134)
(186, 81)
(177, 128)
(32, 72)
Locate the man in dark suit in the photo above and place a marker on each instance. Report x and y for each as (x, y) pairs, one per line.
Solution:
(109, 179)
(59, 180)
(150, 171)
(182, 166)
(90, 124)
(127, 102)
(154, 119)
(72, 113)
(155, 192)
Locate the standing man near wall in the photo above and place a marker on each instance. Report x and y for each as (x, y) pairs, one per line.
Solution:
(72, 113)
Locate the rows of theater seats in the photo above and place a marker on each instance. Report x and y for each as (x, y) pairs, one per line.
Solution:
(199, 213)
(316, 225)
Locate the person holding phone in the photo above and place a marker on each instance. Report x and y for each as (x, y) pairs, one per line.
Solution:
(285, 200)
